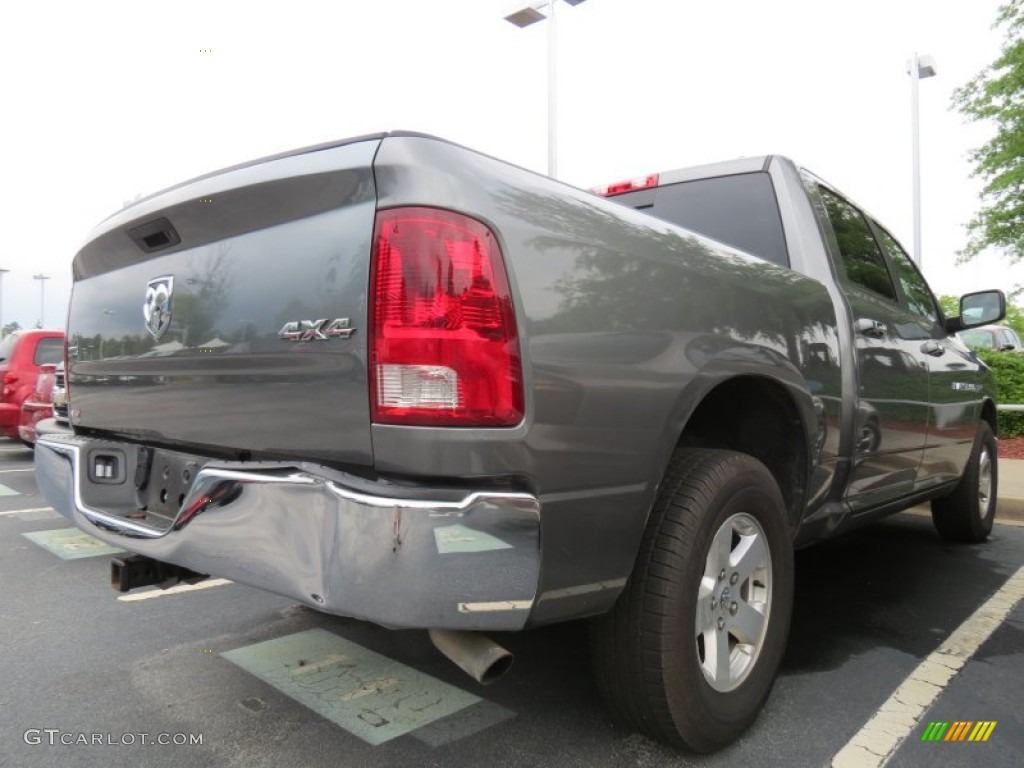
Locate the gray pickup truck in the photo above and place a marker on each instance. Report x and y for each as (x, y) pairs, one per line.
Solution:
(395, 379)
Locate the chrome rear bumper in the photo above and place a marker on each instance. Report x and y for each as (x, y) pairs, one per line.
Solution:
(460, 560)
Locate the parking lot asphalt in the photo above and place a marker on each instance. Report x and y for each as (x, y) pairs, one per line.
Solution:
(262, 681)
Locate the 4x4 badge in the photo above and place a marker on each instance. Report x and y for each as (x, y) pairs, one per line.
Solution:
(313, 330)
(157, 308)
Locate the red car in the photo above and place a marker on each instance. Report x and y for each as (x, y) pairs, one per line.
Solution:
(38, 405)
(22, 354)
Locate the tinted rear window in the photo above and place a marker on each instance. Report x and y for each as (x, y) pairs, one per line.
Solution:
(49, 351)
(740, 211)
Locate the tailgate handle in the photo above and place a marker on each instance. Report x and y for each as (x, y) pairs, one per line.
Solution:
(155, 235)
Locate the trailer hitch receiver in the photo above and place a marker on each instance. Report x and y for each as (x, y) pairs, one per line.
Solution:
(133, 571)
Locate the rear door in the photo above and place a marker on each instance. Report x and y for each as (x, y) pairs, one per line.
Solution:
(892, 371)
(954, 388)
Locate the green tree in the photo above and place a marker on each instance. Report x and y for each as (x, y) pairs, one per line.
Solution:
(1014, 318)
(1008, 368)
(950, 305)
(10, 327)
(996, 95)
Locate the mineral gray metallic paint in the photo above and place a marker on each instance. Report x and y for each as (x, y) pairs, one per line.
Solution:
(630, 322)
(278, 242)
(627, 324)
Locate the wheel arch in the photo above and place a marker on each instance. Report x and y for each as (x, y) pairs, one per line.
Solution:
(989, 414)
(772, 418)
(769, 419)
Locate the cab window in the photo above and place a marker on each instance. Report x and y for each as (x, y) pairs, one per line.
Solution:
(915, 289)
(862, 261)
(741, 211)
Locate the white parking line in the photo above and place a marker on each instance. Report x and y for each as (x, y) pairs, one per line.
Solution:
(19, 511)
(878, 740)
(29, 469)
(175, 590)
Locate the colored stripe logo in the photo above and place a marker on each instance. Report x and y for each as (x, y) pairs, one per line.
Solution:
(958, 730)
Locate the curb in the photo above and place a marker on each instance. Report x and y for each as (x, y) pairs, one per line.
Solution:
(1010, 501)
(1009, 510)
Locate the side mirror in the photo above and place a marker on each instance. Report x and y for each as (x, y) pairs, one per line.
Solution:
(980, 308)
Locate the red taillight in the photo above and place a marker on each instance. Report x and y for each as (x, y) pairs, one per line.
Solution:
(619, 188)
(10, 378)
(443, 344)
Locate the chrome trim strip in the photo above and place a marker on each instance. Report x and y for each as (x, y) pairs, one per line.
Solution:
(504, 605)
(212, 475)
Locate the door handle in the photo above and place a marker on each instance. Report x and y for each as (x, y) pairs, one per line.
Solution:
(933, 348)
(871, 328)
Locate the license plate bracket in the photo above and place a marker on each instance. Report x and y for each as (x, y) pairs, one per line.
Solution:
(171, 475)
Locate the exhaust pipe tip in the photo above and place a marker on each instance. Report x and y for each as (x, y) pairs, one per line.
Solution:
(475, 654)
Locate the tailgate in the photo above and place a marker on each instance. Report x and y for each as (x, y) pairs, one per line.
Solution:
(228, 314)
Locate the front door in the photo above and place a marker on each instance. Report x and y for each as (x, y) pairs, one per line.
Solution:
(892, 368)
(955, 392)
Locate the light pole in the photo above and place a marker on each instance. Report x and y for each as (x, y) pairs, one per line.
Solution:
(524, 17)
(918, 67)
(42, 297)
(2, 273)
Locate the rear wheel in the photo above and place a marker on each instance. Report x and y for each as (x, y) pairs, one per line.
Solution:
(968, 512)
(690, 650)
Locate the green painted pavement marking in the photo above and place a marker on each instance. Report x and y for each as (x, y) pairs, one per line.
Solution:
(70, 543)
(459, 538)
(5, 491)
(462, 724)
(369, 695)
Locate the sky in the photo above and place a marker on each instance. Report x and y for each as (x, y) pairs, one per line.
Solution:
(102, 101)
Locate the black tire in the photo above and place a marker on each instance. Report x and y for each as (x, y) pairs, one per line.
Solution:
(871, 435)
(648, 651)
(967, 513)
